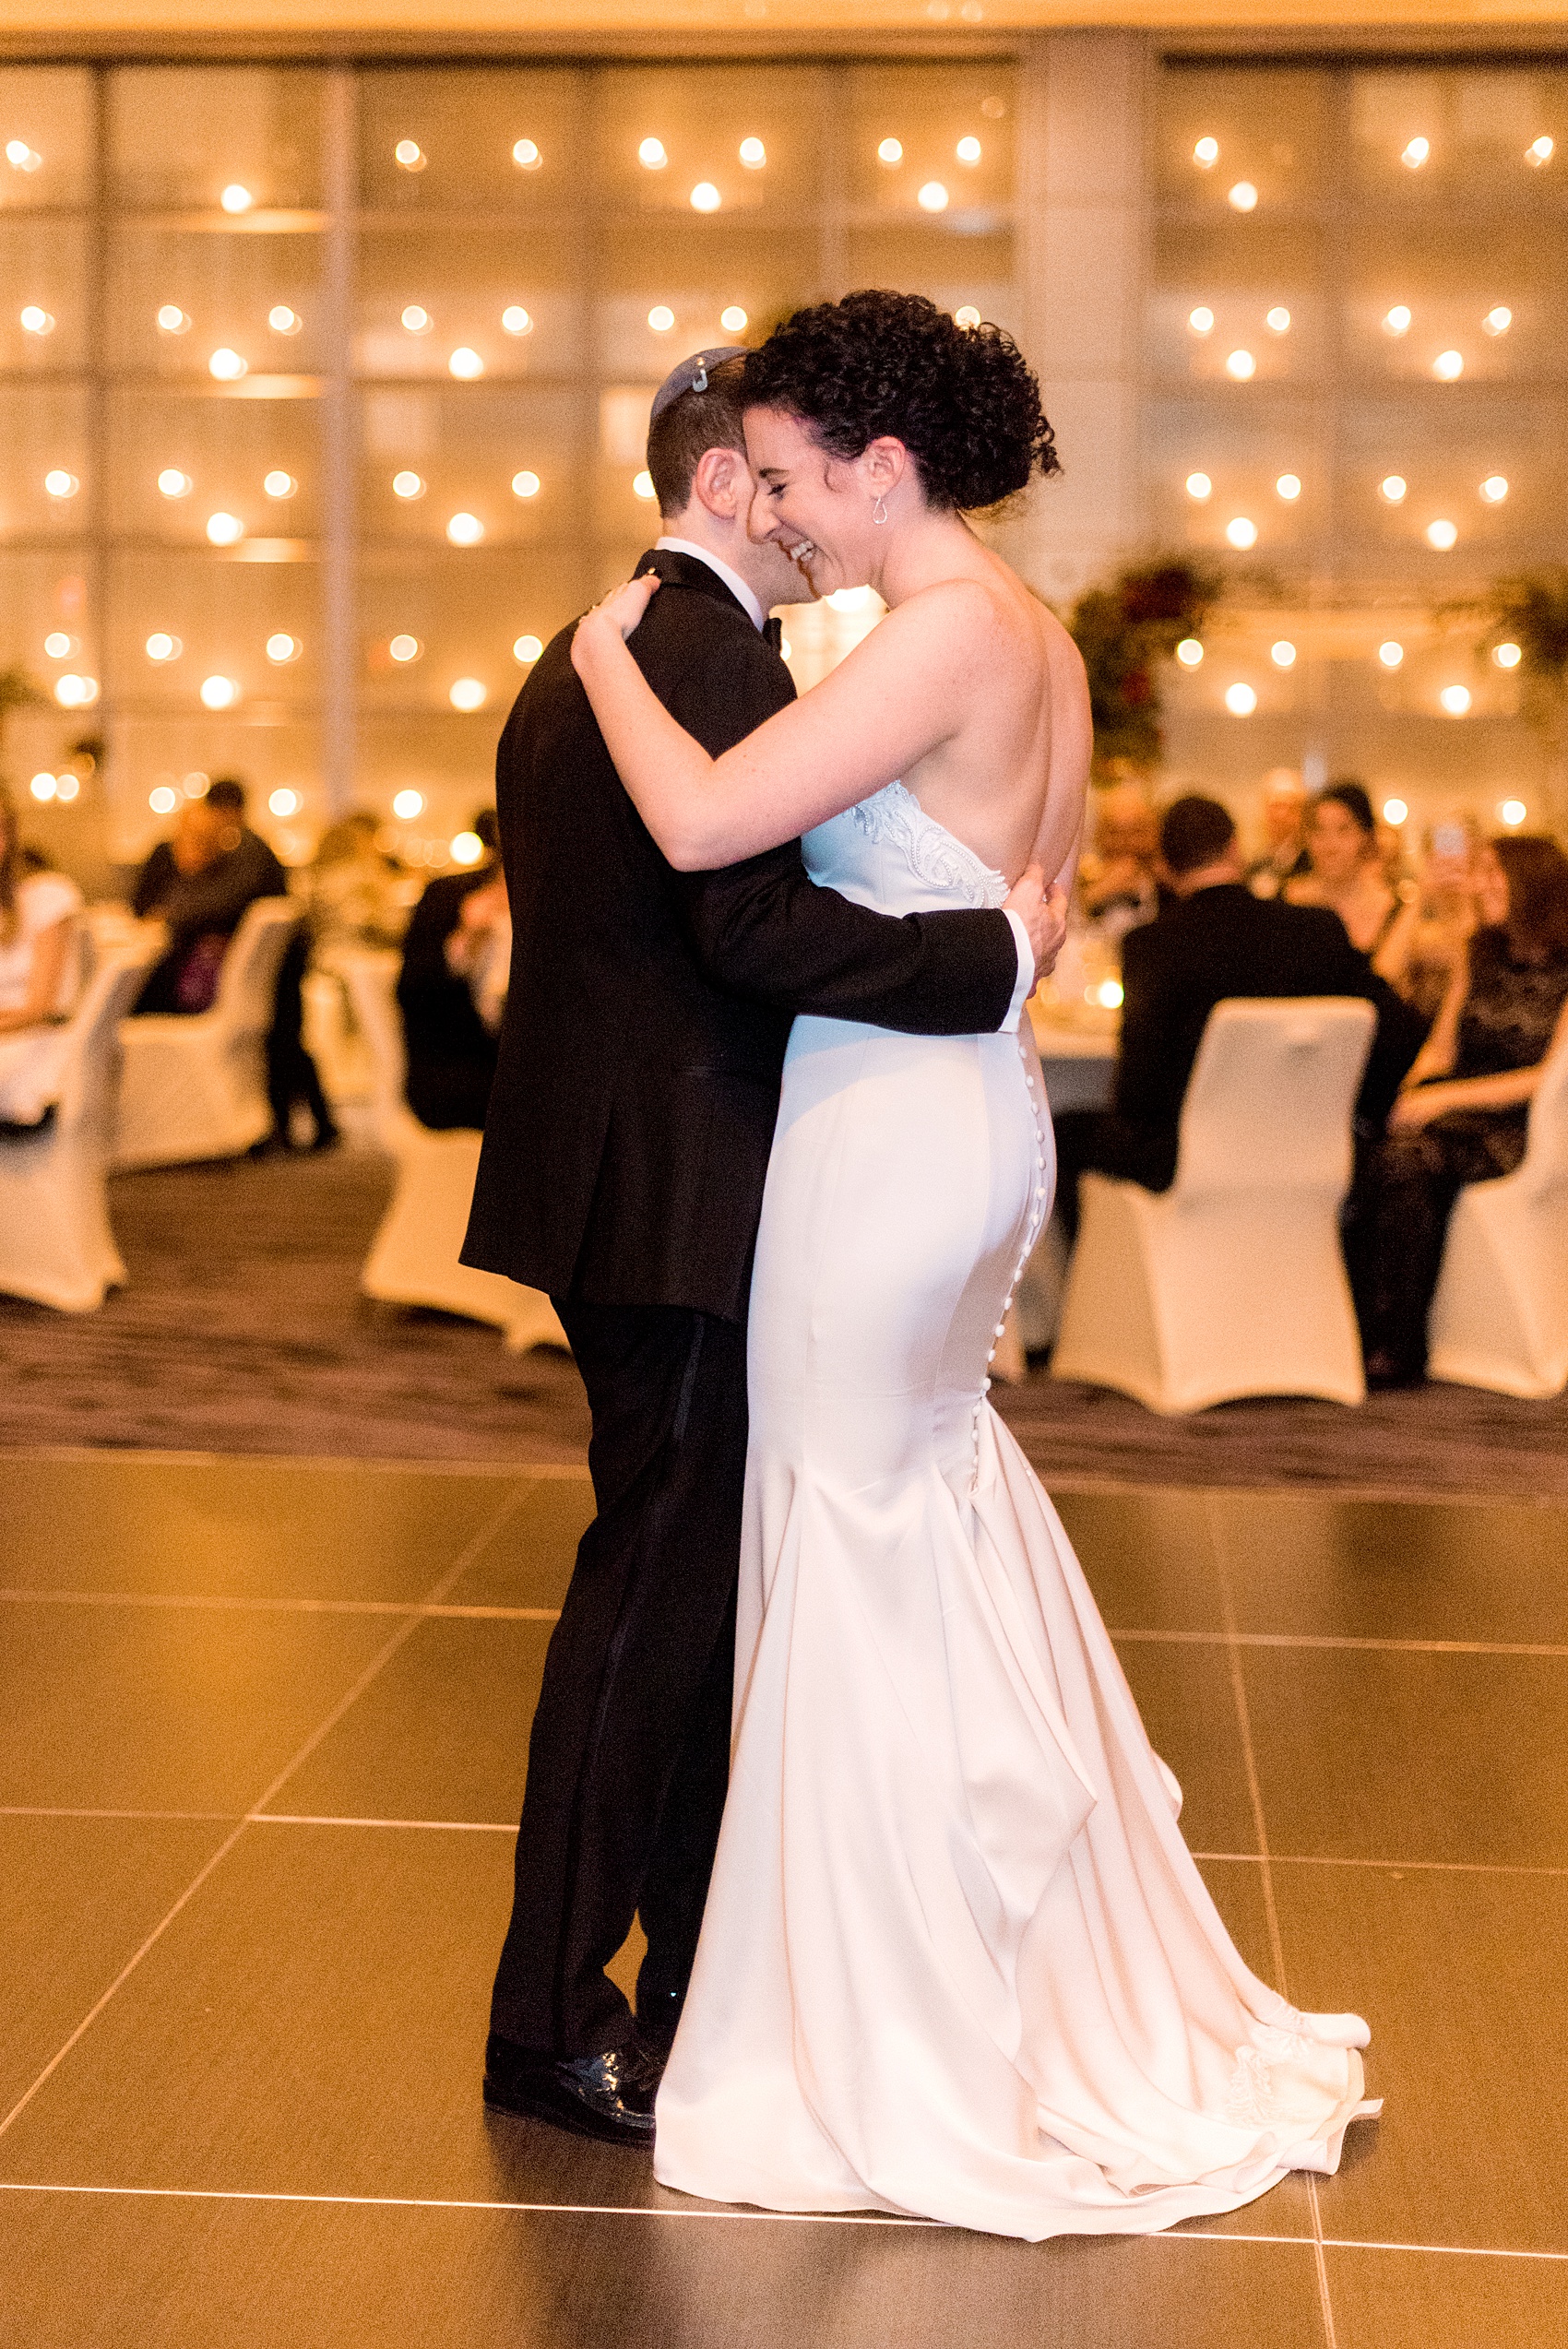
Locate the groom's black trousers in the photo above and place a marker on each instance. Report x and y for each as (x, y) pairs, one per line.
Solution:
(628, 1760)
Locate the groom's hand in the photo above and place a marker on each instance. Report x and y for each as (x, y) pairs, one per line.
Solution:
(1043, 912)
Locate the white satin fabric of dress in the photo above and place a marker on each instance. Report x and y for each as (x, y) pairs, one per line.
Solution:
(956, 1960)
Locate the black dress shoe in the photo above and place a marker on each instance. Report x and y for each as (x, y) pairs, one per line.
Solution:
(608, 2096)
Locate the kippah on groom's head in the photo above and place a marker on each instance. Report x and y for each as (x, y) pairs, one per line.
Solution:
(697, 407)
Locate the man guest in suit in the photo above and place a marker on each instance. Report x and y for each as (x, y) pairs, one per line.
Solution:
(1216, 940)
(624, 1154)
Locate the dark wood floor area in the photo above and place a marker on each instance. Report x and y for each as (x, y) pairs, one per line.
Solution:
(261, 1751)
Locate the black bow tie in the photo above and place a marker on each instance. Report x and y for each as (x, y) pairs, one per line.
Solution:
(773, 630)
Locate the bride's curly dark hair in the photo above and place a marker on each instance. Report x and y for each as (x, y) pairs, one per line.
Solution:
(963, 399)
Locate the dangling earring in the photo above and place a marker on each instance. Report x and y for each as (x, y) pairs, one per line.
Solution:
(879, 511)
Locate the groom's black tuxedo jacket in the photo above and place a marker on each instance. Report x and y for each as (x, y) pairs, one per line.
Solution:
(636, 1088)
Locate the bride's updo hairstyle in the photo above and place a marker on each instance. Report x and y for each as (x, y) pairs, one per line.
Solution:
(963, 399)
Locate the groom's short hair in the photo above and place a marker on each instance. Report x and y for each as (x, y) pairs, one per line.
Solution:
(698, 421)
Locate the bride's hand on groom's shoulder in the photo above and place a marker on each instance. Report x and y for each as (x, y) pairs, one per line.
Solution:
(1043, 912)
(615, 618)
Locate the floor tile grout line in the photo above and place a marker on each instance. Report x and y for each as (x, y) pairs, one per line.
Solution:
(1343, 1640)
(1266, 1873)
(378, 1662)
(440, 1826)
(348, 1463)
(276, 1605)
(1431, 1866)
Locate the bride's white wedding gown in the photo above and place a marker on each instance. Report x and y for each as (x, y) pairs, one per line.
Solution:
(956, 1960)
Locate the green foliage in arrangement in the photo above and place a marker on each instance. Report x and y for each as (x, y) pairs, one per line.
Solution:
(1128, 632)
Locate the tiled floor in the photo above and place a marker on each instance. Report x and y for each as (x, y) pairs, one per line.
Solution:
(261, 1748)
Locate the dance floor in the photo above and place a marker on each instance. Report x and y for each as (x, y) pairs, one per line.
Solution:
(260, 1756)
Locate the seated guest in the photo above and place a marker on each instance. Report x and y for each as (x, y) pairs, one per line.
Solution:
(1421, 960)
(1283, 819)
(198, 884)
(1216, 942)
(357, 895)
(450, 1047)
(38, 972)
(1118, 884)
(1346, 874)
(1463, 1114)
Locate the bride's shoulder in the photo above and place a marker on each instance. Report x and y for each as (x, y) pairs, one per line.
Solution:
(964, 612)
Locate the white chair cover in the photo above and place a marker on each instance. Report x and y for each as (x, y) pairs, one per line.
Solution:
(413, 1258)
(1500, 1315)
(55, 1243)
(1232, 1282)
(195, 1087)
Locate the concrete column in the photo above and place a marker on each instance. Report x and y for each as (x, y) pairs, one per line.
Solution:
(1083, 227)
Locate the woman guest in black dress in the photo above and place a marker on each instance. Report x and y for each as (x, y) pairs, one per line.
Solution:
(1464, 1112)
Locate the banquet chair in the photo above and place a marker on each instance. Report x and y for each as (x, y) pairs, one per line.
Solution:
(56, 1246)
(1231, 1283)
(1500, 1315)
(195, 1086)
(413, 1258)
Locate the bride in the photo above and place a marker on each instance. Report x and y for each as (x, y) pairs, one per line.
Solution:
(956, 1960)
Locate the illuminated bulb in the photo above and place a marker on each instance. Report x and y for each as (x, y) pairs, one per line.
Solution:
(219, 693)
(642, 484)
(409, 156)
(173, 319)
(162, 800)
(466, 848)
(1205, 154)
(22, 158)
(1448, 367)
(1441, 535)
(465, 529)
(43, 787)
(417, 319)
(407, 804)
(236, 198)
(733, 320)
(282, 647)
(1392, 486)
(406, 485)
(651, 155)
(1240, 700)
(162, 647)
(35, 321)
(75, 693)
(1455, 699)
(285, 802)
(525, 484)
(279, 484)
(1513, 812)
(173, 483)
(1394, 812)
(966, 317)
(1241, 532)
(1201, 320)
(66, 787)
(706, 197)
(1242, 365)
(1190, 653)
(1397, 320)
(1540, 152)
(1391, 654)
(465, 364)
(1243, 196)
(194, 785)
(284, 320)
(1507, 656)
(754, 154)
(967, 150)
(516, 321)
(60, 484)
(1498, 321)
(1416, 154)
(467, 694)
(933, 198)
(224, 530)
(1494, 489)
(1283, 654)
(226, 365)
(528, 649)
(661, 318)
(1277, 320)
(59, 647)
(1108, 994)
(890, 152)
(1289, 486)
(526, 156)
(405, 648)
(1199, 486)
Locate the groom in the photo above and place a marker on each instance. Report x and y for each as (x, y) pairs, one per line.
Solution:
(624, 1154)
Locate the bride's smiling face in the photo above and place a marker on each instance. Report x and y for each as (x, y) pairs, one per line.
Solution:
(816, 506)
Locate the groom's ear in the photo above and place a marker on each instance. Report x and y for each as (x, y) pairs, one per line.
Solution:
(723, 482)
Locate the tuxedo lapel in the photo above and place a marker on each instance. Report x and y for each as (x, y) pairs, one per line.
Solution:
(685, 571)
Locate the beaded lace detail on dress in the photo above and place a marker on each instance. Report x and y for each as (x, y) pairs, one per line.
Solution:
(935, 855)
